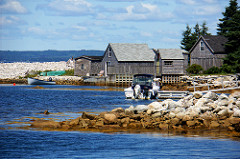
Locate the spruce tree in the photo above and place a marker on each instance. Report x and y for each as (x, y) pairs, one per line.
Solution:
(197, 31)
(187, 39)
(230, 28)
(230, 11)
(204, 29)
(190, 38)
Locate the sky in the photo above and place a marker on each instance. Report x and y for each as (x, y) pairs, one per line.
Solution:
(92, 24)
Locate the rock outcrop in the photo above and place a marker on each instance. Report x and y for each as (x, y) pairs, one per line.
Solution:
(194, 112)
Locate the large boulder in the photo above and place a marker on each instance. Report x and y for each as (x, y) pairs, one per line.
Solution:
(223, 102)
(169, 104)
(236, 112)
(193, 111)
(46, 124)
(141, 108)
(129, 110)
(202, 102)
(225, 112)
(238, 103)
(210, 95)
(118, 110)
(74, 122)
(88, 116)
(214, 124)
(197, 95)
(110, 118)
(235, 95)
(156, 106)
(179, 110)
(157, 114)
(223, 97)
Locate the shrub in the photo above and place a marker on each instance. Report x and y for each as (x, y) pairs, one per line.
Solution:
(32, 74)
(212, 70)
(69, 72)
(194, 69)
(227, 68)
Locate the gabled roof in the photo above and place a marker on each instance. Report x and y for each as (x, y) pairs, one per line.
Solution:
(91, 58)
(171, 54)
(132, 52)
(216, 43)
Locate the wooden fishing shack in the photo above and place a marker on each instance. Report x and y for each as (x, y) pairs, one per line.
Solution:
(123, 60)
(208, 51)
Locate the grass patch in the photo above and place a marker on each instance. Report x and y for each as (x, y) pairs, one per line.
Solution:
(69, 72)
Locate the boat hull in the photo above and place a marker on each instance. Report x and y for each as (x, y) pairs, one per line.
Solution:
(32, 81)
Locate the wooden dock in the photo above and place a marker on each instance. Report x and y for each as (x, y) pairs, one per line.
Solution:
(172, 94)
(222, 89)
(208, 86)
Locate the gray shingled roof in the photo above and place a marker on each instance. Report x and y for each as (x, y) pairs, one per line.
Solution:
(91, 58)
(216, 42)
(171, 54)
(132, 52)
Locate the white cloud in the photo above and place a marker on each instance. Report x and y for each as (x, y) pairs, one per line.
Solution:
(80, 28)
(12, 6)
(11, 21)
(188, 2)
(67, 8)
(36, 30)
(142, 12)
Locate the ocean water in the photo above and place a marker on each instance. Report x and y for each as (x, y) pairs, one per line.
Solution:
(21, 103)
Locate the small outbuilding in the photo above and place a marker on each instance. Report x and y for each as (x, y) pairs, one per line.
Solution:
(88, 66)
(170, 64)
(208, 51)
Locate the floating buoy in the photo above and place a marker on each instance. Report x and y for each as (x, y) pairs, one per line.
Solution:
(14, 84)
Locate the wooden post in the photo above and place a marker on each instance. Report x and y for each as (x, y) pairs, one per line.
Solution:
(194, 85)
(236, 80)
(222, 84)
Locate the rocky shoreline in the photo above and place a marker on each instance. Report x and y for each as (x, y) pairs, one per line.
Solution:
(197, 112)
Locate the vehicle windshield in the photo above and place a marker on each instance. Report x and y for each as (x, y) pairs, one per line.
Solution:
(143, 80)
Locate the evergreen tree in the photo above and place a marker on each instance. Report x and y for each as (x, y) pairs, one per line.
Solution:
(190, 38)
(187, 41)
(233, 33)
(197, 31)
(228, 14)
(230, 28)
(204, 29)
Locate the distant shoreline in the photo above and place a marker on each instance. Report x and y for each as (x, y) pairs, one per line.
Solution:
(7, 56)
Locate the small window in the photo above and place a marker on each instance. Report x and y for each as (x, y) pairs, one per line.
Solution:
(202, 45)
(109, 54)
(168, 63)
(82, 66)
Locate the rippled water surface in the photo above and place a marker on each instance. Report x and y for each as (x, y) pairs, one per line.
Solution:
(22, 103)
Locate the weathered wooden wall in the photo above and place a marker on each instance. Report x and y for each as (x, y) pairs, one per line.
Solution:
(132, 68)
(90, 68)
(177, 67)
(78, 71)
(96, 67)
(205, 57)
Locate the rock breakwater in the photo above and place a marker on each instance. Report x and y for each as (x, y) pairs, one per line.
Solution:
(20, 69)
(195, 112)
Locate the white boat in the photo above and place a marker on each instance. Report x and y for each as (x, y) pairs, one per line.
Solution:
(33, 81)
(144, 86)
